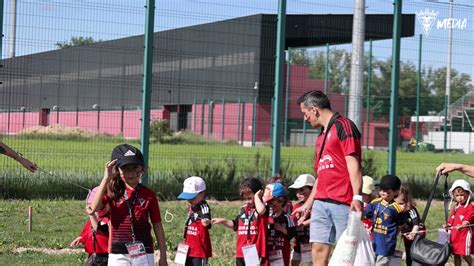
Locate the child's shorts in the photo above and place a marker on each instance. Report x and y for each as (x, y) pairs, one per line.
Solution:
(190, 261)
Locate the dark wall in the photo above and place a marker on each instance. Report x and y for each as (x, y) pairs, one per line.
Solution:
(210, 61)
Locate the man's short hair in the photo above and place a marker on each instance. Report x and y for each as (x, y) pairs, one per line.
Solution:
(315, 99)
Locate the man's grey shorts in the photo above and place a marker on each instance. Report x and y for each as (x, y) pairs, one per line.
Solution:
(328, 221)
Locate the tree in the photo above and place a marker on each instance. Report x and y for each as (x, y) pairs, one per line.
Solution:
(76, 41)
(431, 92)
(460, 83)
(299, 57)
(339, 68)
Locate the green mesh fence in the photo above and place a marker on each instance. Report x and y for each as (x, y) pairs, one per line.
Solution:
(72, 76)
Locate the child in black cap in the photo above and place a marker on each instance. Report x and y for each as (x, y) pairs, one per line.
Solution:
(132, 206)
(384, 212)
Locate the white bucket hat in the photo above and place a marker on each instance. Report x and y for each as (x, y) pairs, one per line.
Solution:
(462, 184)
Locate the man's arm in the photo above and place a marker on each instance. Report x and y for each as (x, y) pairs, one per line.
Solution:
(29, 165)
(445, 168)
(355, 175)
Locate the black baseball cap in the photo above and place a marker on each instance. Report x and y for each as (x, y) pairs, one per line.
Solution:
(390, 182)
(127, 154)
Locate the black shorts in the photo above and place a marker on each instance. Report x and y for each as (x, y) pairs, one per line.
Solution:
(190, 261)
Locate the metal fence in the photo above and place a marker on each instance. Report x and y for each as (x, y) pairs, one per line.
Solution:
(80, 66)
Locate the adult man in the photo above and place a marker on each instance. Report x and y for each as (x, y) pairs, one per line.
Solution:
(4, 149)
(339, 179)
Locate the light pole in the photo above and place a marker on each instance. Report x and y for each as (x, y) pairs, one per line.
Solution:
(448, 77)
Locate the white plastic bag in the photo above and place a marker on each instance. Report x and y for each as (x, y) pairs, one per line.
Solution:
(354, 246)
(365, 255)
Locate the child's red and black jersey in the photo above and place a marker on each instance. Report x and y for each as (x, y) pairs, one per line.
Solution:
(196, 234)
(276, 239)
(101, 238)
(461, 239)
(145, 209)
(251, 228)
(343, 139)
(302, 232)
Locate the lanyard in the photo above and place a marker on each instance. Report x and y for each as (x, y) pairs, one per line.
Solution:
(93, 239)
(249, 219)
(378, 214)
(130, 207)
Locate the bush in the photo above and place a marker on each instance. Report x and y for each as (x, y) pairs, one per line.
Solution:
(159, 130)
(368, 164)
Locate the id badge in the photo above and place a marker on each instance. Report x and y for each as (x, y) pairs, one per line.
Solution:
(181, 254)
(251, 255)
(137, 253)
(443, 236)
(276, 258)
(305, 249)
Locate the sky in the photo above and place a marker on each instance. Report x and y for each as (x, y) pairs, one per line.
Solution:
(43, 23)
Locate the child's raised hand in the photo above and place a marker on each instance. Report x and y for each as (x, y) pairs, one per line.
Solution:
(89, 210)
(110, 170)
(259, 194)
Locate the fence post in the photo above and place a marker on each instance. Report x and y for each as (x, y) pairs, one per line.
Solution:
(254, 121)
(98, 119)
(393, 129)
(369, 88)
(122, 116)
(288, 68)
(202, 117)
(23, 109)
(223, 118)
(279, 60)
(242, 129)
(194, 114)
(238, 121)
(209, 118)
(271, 121)
(147, 83)
(77, 116)
(304, 132)
(418, 86)
(326, 71)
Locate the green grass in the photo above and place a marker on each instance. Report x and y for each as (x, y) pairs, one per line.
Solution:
(82, 161)
(57, 223)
